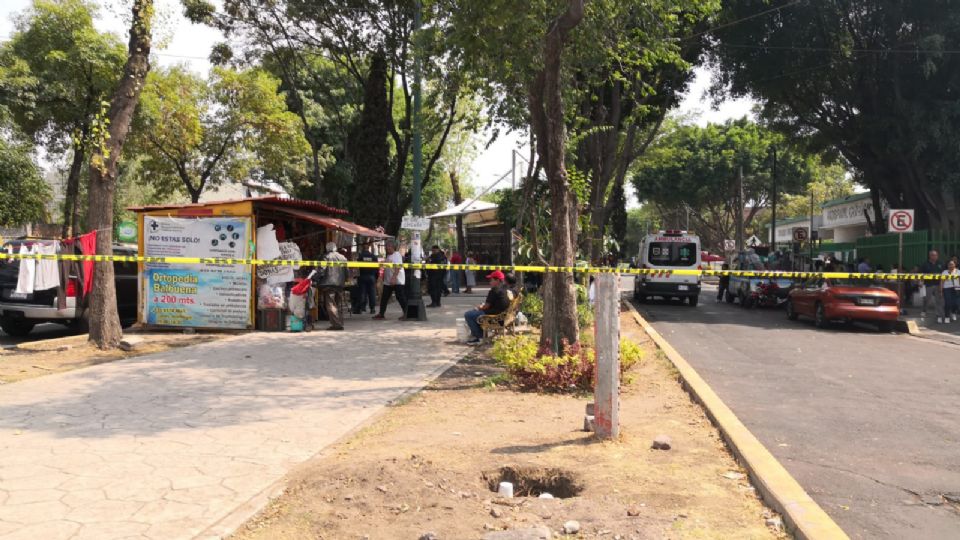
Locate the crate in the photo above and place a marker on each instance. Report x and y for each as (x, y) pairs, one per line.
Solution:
(270, 320)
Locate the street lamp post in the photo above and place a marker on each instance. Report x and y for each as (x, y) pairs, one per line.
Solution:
(810, 236)
(773, 221)
(415, 307)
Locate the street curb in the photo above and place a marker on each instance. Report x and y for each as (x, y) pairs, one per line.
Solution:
(802, 516)
(232, 521)
(907, 327)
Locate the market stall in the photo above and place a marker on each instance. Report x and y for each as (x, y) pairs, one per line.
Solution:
(236, 296)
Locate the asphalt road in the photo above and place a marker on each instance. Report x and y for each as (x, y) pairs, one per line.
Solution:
(868, 423)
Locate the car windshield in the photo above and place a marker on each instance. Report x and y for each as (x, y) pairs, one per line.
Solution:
(672, 253)
(855, 282)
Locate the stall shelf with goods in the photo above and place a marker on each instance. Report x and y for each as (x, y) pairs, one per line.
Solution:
(237, 296)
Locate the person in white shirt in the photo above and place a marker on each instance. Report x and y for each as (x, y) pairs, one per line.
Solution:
(951, 292)
(393, 282)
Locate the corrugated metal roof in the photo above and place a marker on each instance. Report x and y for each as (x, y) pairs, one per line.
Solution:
(280, 201)
(327, 221)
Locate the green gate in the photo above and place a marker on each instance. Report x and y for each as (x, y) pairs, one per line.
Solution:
(882, 249)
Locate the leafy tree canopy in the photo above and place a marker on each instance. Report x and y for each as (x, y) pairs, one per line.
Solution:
(195, 134)
(875, 80)
(23, 192)
(695, 169)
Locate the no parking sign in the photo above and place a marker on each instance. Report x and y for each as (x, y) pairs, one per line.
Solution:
(901, 221)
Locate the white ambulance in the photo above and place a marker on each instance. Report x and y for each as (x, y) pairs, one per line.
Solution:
(664, 252)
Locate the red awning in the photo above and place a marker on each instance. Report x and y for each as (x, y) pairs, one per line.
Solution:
(325, 221)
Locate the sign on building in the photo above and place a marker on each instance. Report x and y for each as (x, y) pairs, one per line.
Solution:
(197, 295)
(415, 223)
(799, 234)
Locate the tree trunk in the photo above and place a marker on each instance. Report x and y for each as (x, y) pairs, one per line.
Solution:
(73, 190)
(105, 329)
(457, 200)
(547, 116)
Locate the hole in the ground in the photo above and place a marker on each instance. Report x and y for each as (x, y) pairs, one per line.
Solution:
(534, 481)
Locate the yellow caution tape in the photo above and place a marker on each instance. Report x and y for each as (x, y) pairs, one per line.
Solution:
(764, 274)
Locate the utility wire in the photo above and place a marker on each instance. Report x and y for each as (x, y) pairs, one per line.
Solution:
(834, 50)
(747, 18)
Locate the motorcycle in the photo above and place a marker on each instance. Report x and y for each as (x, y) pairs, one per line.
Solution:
(765, 295)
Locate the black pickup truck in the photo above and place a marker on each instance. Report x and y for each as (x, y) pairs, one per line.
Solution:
(19, 313)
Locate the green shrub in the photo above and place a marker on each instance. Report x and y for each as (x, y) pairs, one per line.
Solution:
(539, 370)
(532, 307)
(585, 315)
(514, 352)
(630, 355)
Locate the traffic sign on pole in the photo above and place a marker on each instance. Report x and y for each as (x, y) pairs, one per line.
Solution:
(901, 221)
(799, 234)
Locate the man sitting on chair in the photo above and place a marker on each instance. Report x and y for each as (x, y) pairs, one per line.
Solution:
(496, 303)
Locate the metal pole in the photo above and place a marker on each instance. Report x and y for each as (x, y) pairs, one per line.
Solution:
(513, 169)
(415, 307)
(740, 247)
(810, 236)
(900, 271)
(773, 222)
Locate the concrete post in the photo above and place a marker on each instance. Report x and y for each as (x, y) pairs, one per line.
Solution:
(607, 327)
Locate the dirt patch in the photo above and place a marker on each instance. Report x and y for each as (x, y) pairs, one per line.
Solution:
(429, 465)
(535, 481)
(39, 358)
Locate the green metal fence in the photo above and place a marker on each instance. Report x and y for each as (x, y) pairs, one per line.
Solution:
(882, 249)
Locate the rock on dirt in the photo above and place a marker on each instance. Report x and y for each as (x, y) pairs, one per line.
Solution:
(428, 536)
(662, 442)
(130, 343)
(496, 512)
(775, 523)
(571, 527)
(532, 533)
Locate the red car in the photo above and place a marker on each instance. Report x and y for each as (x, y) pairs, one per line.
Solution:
(828, 300)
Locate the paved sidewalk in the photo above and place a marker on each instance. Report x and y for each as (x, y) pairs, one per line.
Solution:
(166, 446)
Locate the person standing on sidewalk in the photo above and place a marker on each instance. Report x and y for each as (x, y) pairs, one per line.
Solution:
(470, 274)
(394, 281)
(934, 287)
(367, 281)
(455, 258)
(332, 279)
(951, 292)
(435, 277)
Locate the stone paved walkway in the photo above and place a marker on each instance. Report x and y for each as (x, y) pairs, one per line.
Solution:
(169, 445)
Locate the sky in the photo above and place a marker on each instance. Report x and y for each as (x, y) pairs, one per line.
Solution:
(181, 42)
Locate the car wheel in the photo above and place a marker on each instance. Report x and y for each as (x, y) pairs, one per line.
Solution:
(641, 298)
(820, 317)
(693, 300)
(16, 327)
(886, 326)
(791, 313)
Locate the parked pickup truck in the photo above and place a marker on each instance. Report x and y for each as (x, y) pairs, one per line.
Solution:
(19, 313)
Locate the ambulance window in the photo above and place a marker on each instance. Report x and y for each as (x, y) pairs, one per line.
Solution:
(672, 254)
(686, 254)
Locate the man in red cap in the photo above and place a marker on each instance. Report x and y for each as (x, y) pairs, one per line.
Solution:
(497, 302)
